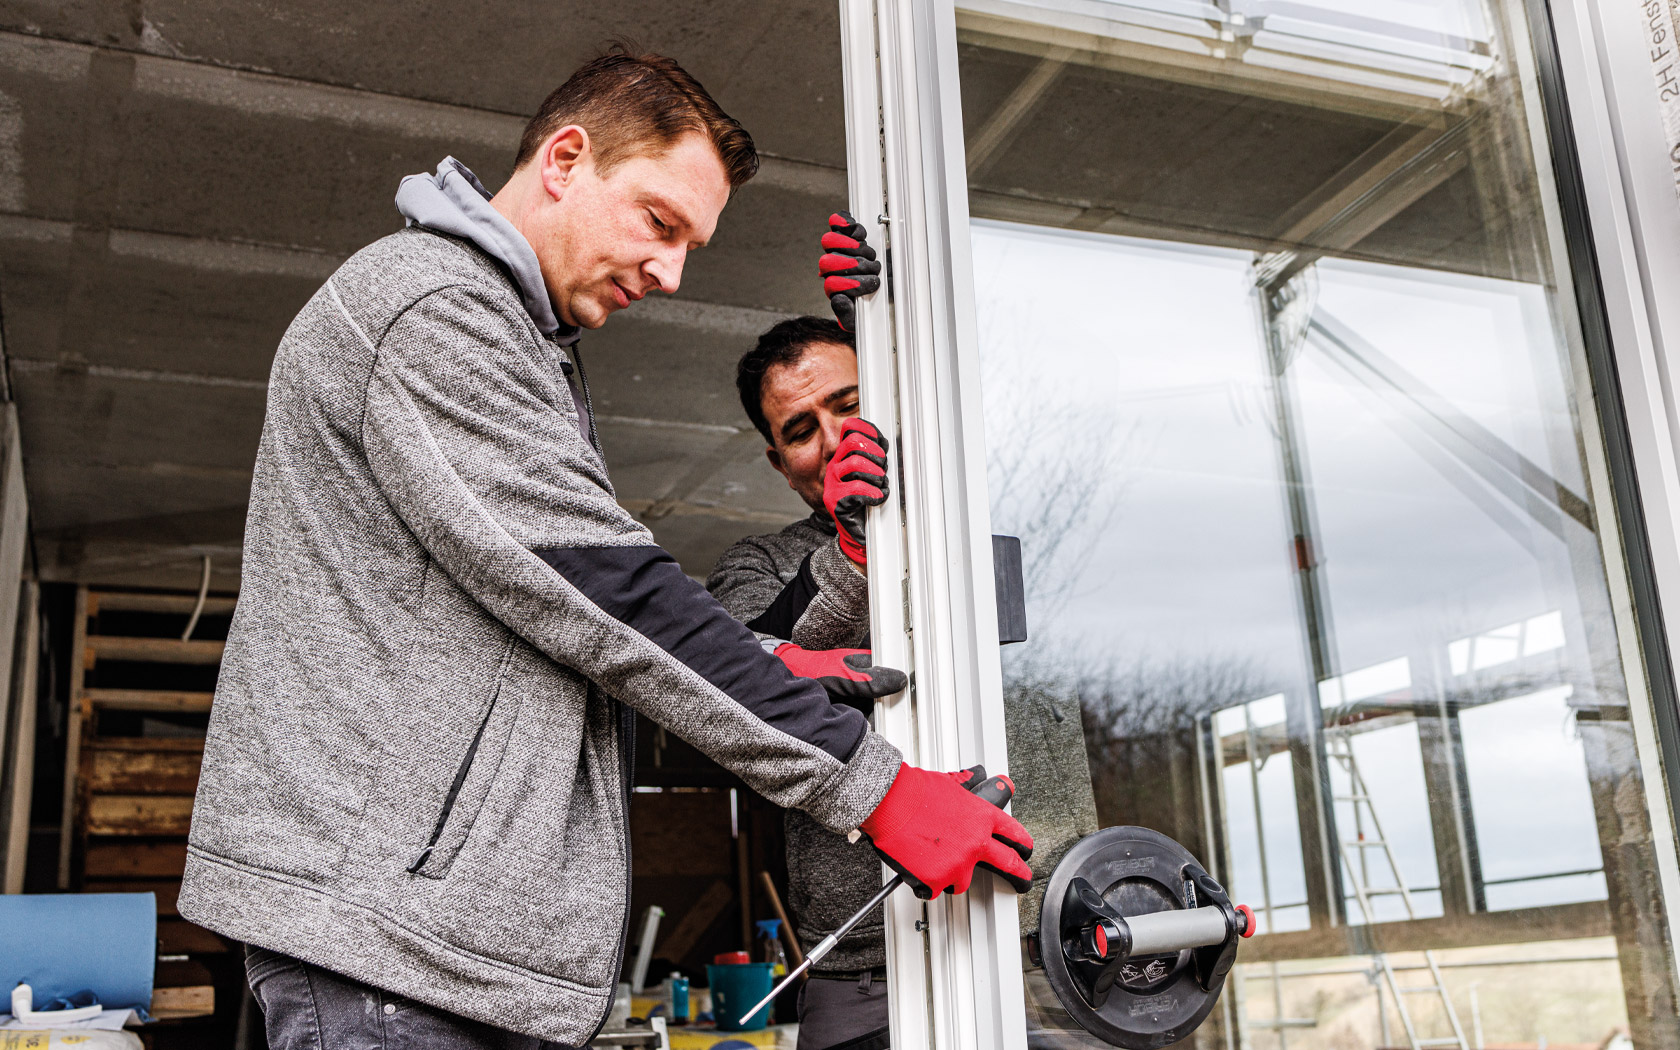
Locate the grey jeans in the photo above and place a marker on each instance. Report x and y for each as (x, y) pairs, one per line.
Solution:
(307, 1008)
(847, 1013)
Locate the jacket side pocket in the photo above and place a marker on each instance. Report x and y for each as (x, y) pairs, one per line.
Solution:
(472, 782)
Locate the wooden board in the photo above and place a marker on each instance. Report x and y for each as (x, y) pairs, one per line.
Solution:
(682, 937)
(136, 772)
(182, 989)
(681, 833)
(166, 890)
(170, 701)
(147, 743)
(150, 650)
(132, 601)
(180, 937)
(136, 860)
(139, 814)
(67, 833)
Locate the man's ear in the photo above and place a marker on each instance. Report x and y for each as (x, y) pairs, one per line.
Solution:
(563, 155)
(775, 459)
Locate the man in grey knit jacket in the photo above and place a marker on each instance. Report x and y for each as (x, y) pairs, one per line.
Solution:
(415, 787)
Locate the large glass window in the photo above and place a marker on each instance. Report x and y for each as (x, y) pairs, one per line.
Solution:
(1285, 396)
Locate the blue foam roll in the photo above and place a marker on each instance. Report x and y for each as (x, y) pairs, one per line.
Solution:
(61, 944)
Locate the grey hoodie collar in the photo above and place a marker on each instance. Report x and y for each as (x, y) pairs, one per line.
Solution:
(453, 201)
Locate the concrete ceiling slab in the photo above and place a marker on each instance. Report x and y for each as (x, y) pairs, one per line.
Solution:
(165, 302)
(775, 66)
(176, 180)
(130, 422)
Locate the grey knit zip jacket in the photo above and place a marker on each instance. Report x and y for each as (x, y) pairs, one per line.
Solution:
(417, 766)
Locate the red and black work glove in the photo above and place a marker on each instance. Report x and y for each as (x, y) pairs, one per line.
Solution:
(856, 479)
(932, 830)
(849, 675)
(848, 267)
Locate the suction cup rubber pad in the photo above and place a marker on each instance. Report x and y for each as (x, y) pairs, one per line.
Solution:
(1137, 871)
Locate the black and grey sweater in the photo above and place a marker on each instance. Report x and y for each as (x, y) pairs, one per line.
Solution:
(796, 585)
(418, 762)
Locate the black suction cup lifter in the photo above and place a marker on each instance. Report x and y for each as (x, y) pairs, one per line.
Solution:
(1135, 938)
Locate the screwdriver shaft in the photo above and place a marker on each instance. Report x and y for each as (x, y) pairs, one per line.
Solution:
(827, 944)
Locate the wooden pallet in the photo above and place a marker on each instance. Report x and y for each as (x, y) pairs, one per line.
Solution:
(128, 798)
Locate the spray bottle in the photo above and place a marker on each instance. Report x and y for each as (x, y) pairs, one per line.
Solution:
(770, 946)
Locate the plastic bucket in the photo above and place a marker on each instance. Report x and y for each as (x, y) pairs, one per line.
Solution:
(737, 988)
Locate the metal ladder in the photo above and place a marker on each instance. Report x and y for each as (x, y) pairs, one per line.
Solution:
(1355, 856)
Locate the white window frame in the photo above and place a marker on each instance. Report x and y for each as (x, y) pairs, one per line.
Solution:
(954, 966)
(1633, 210)
(956, 982)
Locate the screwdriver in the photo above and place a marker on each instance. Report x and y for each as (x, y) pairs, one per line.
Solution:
(997, 790)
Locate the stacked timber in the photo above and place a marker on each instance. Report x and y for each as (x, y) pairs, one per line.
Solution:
(140, 697)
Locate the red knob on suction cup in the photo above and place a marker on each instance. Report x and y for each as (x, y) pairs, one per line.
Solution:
(1097, 940)
(1248, 914)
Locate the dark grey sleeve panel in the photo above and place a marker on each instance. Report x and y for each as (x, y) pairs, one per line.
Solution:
(795, 585)
(749, 575)
(779, 620)
(643, 588)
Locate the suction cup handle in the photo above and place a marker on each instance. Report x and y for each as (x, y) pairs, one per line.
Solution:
(1170, 931)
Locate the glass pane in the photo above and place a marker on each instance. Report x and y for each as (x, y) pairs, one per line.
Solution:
(1284, 396)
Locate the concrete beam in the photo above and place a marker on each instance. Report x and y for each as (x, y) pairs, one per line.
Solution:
(19, 781)
(1001, 126)
(31, 366)
(14, 544)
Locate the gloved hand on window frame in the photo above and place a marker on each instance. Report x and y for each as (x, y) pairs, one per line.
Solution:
(848, 267)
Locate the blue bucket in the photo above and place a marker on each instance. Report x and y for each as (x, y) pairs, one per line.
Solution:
(737, 988)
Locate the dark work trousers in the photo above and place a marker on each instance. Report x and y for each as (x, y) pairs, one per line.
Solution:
(846, 1013)
(307, 1008)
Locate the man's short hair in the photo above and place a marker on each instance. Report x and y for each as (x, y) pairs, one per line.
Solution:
(636, 105)
(784, 344)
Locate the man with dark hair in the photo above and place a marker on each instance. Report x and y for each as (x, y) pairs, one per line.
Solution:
(414, 795)
(803, 590)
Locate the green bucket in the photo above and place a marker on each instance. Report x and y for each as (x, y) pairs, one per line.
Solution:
(737, 988)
